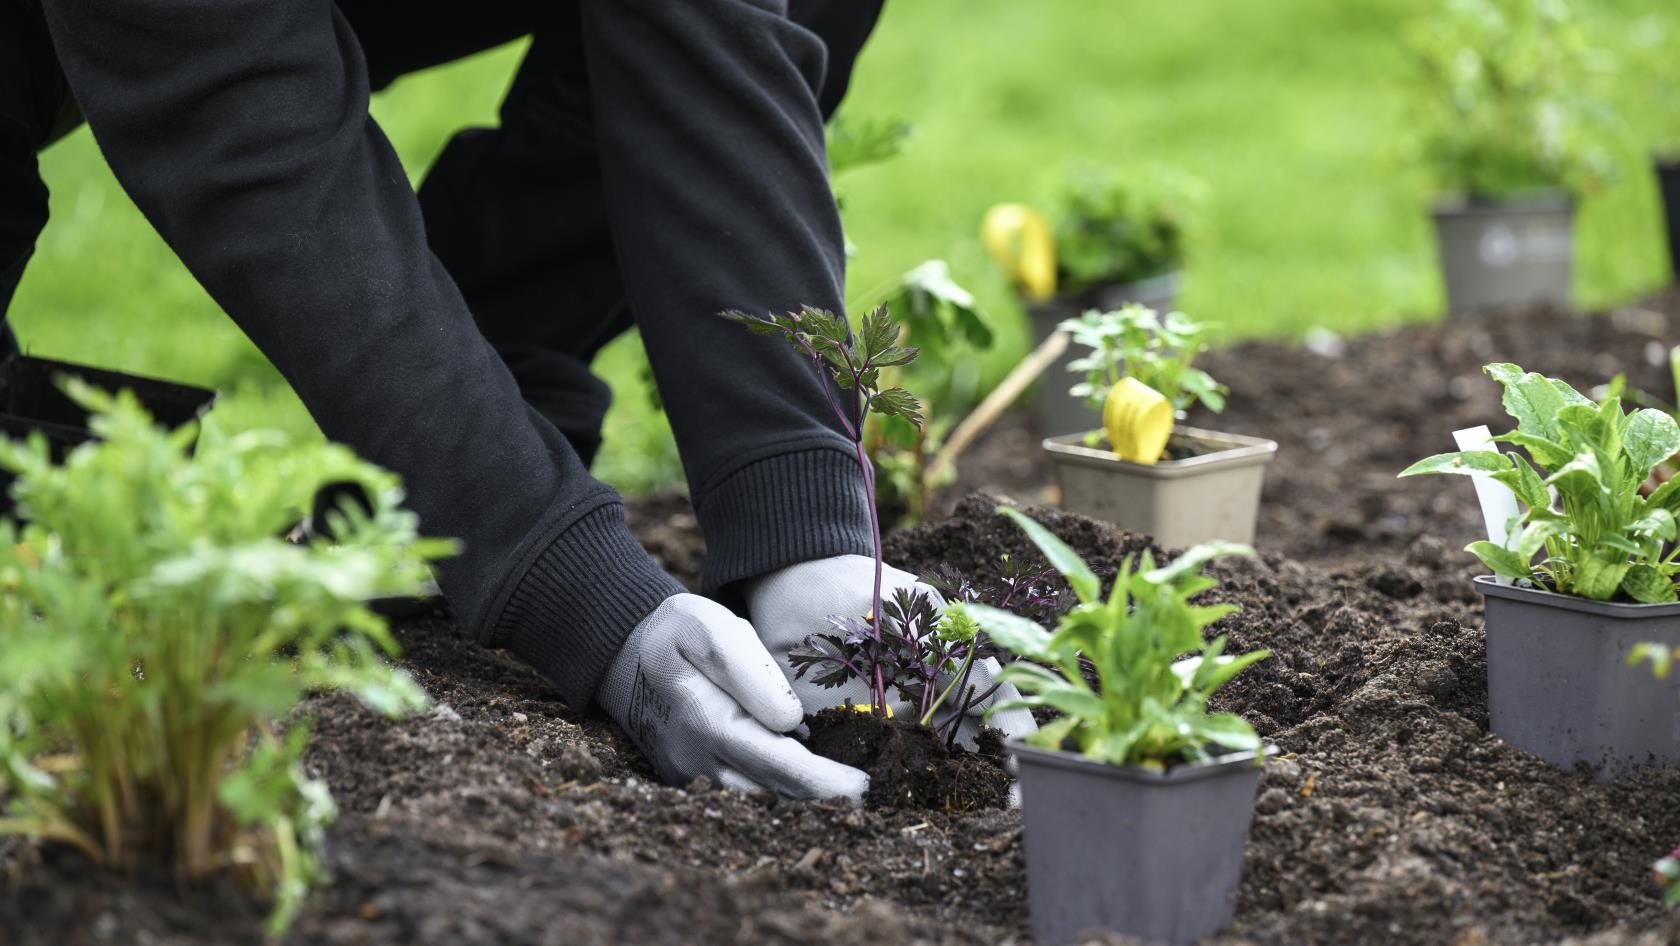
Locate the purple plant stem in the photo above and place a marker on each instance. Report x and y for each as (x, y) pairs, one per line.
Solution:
(854, 431)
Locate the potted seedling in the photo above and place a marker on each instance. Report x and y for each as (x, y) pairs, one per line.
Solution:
(156, 634)
(1586, 576)
(1113, 238)
(1136, 800)
(1507, 141)
(1143, 471)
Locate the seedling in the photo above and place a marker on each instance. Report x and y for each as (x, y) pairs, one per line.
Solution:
(1504, 92)
(1600, 538)
(1138, 342)
(1113, 228)
(156, 634)
(1149, 708)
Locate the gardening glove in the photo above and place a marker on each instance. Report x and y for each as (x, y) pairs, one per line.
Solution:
(790, 604)
(699, 695)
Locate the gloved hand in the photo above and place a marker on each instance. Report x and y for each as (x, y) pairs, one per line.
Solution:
(699, 695)
(790, 604)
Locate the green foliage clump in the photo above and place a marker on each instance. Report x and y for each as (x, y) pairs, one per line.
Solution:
(1601, 539)
(1136, 341)
(1506, 93)
(1114, 228)
(1150, 706)
(157, 630)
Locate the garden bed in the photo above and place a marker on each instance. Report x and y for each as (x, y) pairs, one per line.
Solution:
(1392, 817)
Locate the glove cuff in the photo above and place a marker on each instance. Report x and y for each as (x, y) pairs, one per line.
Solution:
(788, 507)
(577, 603)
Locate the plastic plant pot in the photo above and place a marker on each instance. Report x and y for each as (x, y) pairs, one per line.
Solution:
(31, 401)
(1212, 495)
(1668, 183)
(1059, 412)
(1156, 855)
(1559, 684)
(1508, 255)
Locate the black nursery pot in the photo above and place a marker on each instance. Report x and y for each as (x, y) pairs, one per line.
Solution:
(1668, 183)
(30, 400)
(1156, 855)
(1559, 684)
(1058, 411)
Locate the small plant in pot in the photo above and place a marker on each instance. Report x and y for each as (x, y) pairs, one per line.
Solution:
(1145, 472)
(1114, 237)
(1510, 142)
(1137, 799)
(1586, 579)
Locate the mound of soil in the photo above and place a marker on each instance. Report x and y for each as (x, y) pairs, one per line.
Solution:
(1392, 816)
(910, 767)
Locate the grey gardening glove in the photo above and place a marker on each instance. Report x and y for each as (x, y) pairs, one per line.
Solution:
(699, 695)
(790, 604)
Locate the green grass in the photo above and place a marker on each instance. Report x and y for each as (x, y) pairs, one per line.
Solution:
(1293, 111)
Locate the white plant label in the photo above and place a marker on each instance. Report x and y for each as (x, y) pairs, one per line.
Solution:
(1499, 504)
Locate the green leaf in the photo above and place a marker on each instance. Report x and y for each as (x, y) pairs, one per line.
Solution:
(897, 402)
(1549, 454)
(1581, 478)
(1666, 496)
(1012, 632)
(1230, 731)
(1658, 522)
(1501, 560)
(1522, 480)
(1647, 585)
(1599, 575)
(1463, 462)
(1651, 437)
(1533, 399)
(1063, 559)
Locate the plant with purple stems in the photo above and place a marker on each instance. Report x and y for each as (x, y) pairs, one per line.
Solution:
(854, 362)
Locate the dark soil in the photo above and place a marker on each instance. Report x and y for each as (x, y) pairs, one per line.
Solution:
(1391, 816)
(908, 766)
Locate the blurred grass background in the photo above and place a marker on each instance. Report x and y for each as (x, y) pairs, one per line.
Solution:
(1294, 112)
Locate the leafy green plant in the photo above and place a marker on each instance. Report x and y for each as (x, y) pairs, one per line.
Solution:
(1135, 341)
(1506, 93)
(1651, 74)
(1116, 227)
(1601, 538)
(1149, 708)
(156, 633)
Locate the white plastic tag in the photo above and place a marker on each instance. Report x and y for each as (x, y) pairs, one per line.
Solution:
(1499, 504)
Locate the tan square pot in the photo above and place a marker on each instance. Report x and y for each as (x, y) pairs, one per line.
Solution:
(1179, 502)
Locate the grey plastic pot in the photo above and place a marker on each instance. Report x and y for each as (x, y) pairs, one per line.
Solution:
(1059, 412)
(1156, 855)
(1559, 685)
(1179, 502)
(1508, 255)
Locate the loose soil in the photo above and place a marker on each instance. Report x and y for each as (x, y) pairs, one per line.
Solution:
(1391, 816)
(908, 766)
